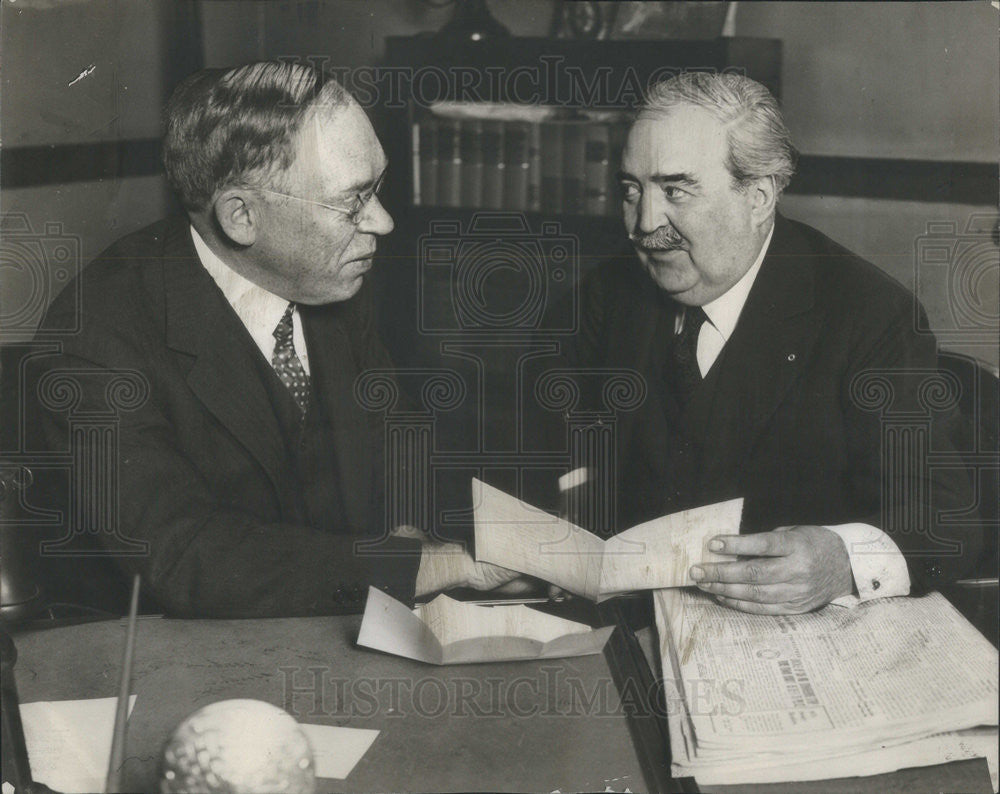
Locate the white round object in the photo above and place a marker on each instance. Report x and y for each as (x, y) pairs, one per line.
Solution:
(238, 747)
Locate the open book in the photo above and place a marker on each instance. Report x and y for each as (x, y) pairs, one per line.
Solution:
(657, 554)
(446, 631)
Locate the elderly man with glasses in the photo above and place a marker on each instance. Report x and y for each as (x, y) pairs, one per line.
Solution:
(248, 471)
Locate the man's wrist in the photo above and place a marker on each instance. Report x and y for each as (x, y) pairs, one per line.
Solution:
(878, 568)
(443, 566)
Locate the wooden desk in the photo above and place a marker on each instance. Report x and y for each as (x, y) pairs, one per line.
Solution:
(520, 726)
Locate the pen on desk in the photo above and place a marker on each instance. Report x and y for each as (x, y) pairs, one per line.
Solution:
(507, 602)
(117, 759)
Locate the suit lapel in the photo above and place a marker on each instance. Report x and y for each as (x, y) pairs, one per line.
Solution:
(333, 371)
(769, 349)
(200, 323)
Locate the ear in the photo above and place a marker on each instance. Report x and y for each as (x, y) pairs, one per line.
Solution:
(237, 216)
(763, 198)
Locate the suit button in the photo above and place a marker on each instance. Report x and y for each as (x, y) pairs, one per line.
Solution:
(338, 593)
(876, 584)
(932, 569)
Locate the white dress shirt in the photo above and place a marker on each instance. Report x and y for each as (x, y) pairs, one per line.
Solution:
(260, 311)
(723, 313)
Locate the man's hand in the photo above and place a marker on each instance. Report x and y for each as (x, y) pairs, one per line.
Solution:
(788, 571)
(447, 565)
(486, 576)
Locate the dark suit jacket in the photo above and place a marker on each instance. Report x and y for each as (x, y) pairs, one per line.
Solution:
(788, 418)
(204, 474)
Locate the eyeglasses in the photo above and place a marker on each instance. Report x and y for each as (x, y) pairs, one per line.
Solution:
(352, 213)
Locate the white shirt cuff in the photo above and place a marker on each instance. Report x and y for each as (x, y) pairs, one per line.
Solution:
(877, 564)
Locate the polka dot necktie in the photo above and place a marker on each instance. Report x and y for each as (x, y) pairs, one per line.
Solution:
(683, 373)
(286, 363)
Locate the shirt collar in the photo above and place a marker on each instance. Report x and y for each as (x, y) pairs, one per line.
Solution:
(259, 310)
(724, 311)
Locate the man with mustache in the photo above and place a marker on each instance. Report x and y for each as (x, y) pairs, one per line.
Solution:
(753, 333)
(249, 469)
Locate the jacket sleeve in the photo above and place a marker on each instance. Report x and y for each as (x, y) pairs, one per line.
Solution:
(901, 421)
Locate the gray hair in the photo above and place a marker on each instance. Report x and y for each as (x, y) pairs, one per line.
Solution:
(236, 126)
(759, 142)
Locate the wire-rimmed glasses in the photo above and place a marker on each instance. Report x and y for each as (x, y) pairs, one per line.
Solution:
(352, 213)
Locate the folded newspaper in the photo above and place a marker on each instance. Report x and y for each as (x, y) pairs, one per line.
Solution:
(659, 553)
(895, 683)
(446, 631)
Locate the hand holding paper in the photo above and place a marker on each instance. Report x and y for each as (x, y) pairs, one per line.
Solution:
(657, 554)
(788, 571)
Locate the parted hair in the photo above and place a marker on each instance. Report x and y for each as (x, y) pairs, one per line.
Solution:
(235, 127)
(759, 142)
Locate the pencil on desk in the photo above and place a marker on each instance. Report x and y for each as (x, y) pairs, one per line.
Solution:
(117, 759)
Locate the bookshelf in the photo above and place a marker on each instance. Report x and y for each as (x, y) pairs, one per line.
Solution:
(551, 120)
(488, 156)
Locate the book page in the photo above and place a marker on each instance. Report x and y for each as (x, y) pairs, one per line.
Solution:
(660, 553)
(389, 625)
(513, 534)
(452, 621)
(446, 631)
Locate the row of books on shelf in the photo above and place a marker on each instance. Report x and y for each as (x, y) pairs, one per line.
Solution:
(565, 166)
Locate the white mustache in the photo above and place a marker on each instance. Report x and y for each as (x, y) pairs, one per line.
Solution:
(662, 239)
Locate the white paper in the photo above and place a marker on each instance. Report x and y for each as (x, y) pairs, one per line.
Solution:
(657, 554)
(896, 683)
(446, 631)
(336, 750)
(930, 751)
(69, 742)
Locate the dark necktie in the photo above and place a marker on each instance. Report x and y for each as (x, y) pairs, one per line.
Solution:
(683, 374)
(286, 363)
